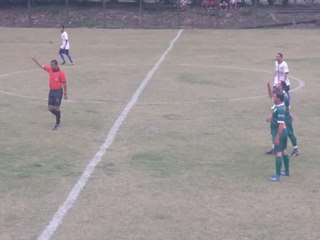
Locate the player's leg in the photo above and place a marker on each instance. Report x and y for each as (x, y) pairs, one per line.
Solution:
(54, 107)
(287, 90)
(285, 157)
(271, 151)
(56, 112)
(61, 52)
(58, 100)
(67, 52)
(278, 165)
(51, 109)
(51, 102)
(58, 117)
(293, 139)
(286, 162)
(278, 160)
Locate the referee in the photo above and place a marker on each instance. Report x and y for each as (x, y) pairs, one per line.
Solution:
(58, 88)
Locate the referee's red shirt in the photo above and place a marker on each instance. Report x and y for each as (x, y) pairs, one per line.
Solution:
(56, 79)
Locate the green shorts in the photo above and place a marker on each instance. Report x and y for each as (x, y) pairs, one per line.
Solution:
(282, 143)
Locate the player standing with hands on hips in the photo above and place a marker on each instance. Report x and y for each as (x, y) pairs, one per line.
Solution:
(64, 46)
(58, 88)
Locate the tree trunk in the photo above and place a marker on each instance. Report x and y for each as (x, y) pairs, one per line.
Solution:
(29, 13)
(295, 13)
(67, 12)
(141, 13)
(104, 13)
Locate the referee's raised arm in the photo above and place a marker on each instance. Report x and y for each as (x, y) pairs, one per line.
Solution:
(36, 61)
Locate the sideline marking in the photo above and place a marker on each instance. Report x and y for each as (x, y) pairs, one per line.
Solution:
(301, 84)
(82, 181)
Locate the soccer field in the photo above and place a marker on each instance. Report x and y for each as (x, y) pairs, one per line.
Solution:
(188, 160)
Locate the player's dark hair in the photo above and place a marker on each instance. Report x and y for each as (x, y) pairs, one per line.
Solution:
(280, 95)
(54, 62)
(280, 54)
(62, 26)
(276, 90)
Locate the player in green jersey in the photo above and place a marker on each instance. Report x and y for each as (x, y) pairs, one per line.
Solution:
(288, 118)
(279, 135)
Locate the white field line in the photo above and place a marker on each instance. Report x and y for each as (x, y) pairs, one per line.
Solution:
(8, 93)
(81, 183)
(301, 84)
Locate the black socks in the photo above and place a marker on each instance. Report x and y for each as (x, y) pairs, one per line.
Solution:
(58, 117)
(57, 114)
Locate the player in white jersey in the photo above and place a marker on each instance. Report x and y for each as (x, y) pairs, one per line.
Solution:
(64, 46)
(281, 73)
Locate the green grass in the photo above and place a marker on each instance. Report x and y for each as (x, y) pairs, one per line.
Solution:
(188, 162)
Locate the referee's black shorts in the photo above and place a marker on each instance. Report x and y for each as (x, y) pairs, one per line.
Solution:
(55, 97)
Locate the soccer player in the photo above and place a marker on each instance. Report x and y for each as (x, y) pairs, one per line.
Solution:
(288, 118)
(58, 88)
(65, 46)
(281, 73)
(279, 136)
